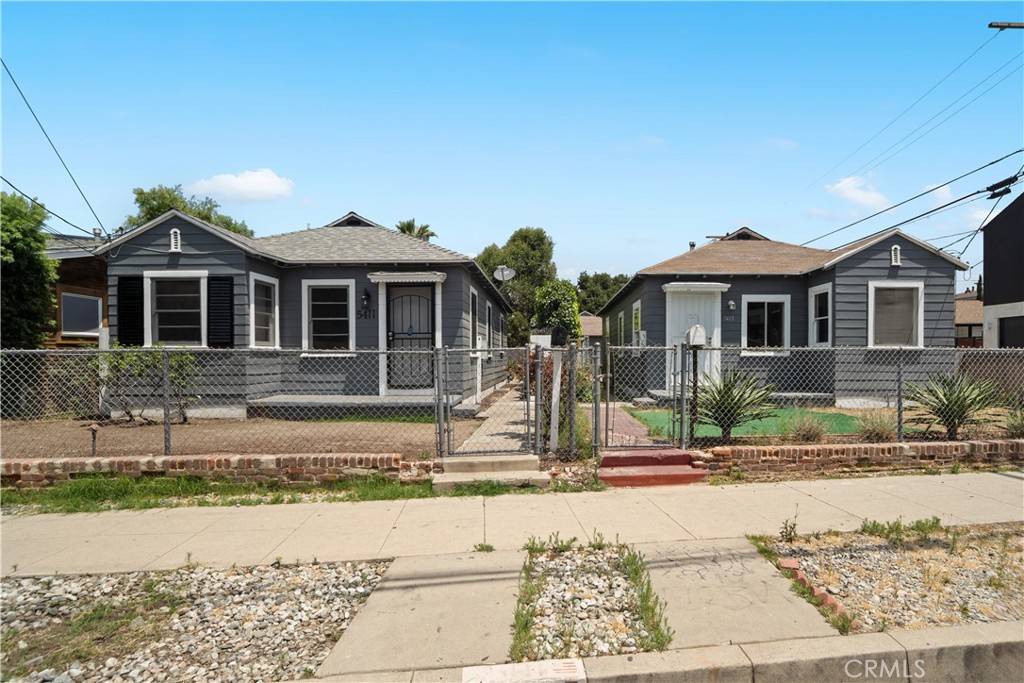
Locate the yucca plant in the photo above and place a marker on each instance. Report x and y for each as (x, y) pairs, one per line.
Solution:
(954, 401)
(733, 399)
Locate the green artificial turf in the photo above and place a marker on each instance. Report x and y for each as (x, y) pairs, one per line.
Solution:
(658, 421)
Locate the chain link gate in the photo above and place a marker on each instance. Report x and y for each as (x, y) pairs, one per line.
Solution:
(641, 379)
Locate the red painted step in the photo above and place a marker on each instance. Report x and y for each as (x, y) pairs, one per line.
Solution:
(646, 457)
(650, 475)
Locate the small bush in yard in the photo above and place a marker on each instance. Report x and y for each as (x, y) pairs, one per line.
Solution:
(806, 428)
(877, 426)
(954, 401)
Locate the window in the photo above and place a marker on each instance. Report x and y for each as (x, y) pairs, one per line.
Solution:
(765, 320)
(895, 313)
(474, 322)
(263, 310)
(80, 315)
(175, 241)
(177, 311)
(622, 328)
(636, 323)
(819, 329)
(327, 320)
(894, 256)
(489, 342)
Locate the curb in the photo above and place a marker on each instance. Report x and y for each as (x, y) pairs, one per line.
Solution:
(978, 653)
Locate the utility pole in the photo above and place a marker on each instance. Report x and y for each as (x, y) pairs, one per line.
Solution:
(1003, 25)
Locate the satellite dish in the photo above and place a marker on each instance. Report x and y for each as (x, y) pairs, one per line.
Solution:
(503, 273)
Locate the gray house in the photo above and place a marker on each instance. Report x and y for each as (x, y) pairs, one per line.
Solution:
(760, 297)
(316, 296)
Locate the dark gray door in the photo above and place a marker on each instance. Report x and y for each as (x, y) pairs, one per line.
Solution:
(410, 336)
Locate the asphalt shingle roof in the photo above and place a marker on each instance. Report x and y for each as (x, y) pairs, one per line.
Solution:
(743, 257)
(354, 244)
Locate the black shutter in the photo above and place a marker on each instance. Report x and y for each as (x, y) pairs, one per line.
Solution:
(130, 323)
(220, 312)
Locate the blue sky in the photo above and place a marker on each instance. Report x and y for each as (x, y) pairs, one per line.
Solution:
(624, 130)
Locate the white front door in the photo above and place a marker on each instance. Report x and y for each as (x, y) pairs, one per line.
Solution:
(695, 303)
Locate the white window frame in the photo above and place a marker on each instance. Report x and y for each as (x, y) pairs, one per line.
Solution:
(474, 319)
(273, 282)
(637, 322)
(351, 285)
(874, 285)
(812, 319)
(489, 325)
(99, 315)
(147, 301)
(787, 310)
(175, 238)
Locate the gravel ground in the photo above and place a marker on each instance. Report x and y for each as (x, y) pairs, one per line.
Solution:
(586, 605)
(958, 575)
(193, 624)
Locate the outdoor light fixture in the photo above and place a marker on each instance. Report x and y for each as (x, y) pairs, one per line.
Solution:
(366, 299)
(732, 305)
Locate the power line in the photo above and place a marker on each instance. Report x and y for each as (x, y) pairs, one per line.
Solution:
(922, 215)
(47, 136)
(905, 201)
(883, 152)
(901, 114)
(985, 221)
(43, 207)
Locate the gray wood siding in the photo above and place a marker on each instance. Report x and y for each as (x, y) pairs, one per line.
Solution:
(201, 250)
(850, 295)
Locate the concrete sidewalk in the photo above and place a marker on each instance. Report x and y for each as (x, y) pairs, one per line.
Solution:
(442, 610)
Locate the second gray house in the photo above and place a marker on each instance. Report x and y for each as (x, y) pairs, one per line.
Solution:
(760, 297)
(352, 284)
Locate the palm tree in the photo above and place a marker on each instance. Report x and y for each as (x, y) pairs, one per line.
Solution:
(410, 228)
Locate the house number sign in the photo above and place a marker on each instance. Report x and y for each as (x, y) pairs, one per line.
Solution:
(369, 314)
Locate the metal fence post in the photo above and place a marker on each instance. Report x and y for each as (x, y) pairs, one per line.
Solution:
(899, 394)
(595, 438)
(447, 407)
(538, 387)
(683, 376)
(607, 395)
(440, 390)
(570, 402)
(165, 357)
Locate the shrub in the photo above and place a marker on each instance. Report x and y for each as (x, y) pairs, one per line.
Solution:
(954, 401)
(805, 428)
(733, 399)
(133, 377)
(877, 426)
(1014, 424)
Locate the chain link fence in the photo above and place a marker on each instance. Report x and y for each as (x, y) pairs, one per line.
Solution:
(709, 396)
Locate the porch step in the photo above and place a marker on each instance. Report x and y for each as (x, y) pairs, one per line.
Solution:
(491, 463)
(656, 475)
(646, 458)
(449, 480)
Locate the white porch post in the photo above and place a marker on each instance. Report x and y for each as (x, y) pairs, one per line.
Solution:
(382, 338)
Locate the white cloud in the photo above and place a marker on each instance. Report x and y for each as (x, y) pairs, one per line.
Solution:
(942, 195)
(858, 190)
(248, 186)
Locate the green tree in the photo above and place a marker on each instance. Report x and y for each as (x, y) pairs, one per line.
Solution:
(409, 227)
(555, 304)
(27, 275)
(529, 251)
(596, 290)
(158, 200)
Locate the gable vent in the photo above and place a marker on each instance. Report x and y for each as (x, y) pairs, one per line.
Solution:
(894, 256)
(175, 241)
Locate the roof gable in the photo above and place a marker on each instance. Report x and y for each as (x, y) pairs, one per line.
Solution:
(241, 241)
(353, 220)
(744, 233)
(849, 250)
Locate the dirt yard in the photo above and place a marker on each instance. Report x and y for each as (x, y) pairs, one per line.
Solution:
(201, 437)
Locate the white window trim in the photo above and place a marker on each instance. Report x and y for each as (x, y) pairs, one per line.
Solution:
(637, 322)
(811, 328)
(488, 324)
(273, 282)
(175, 238)
(896, 284)
(147, 299)
(786, 312)
(351, 285)
(99, 315)
(474, 330)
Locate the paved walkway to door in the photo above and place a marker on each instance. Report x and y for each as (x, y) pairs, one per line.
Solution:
(504, 427)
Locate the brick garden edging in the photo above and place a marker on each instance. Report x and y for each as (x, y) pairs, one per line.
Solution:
(890, 456)
(791, 568)
(311, 468)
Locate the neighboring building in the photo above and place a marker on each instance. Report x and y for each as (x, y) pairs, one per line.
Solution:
(592, 329)
(352, 284)
(1004, 280)
(757, 296)
(80, 291)
(970, 319)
